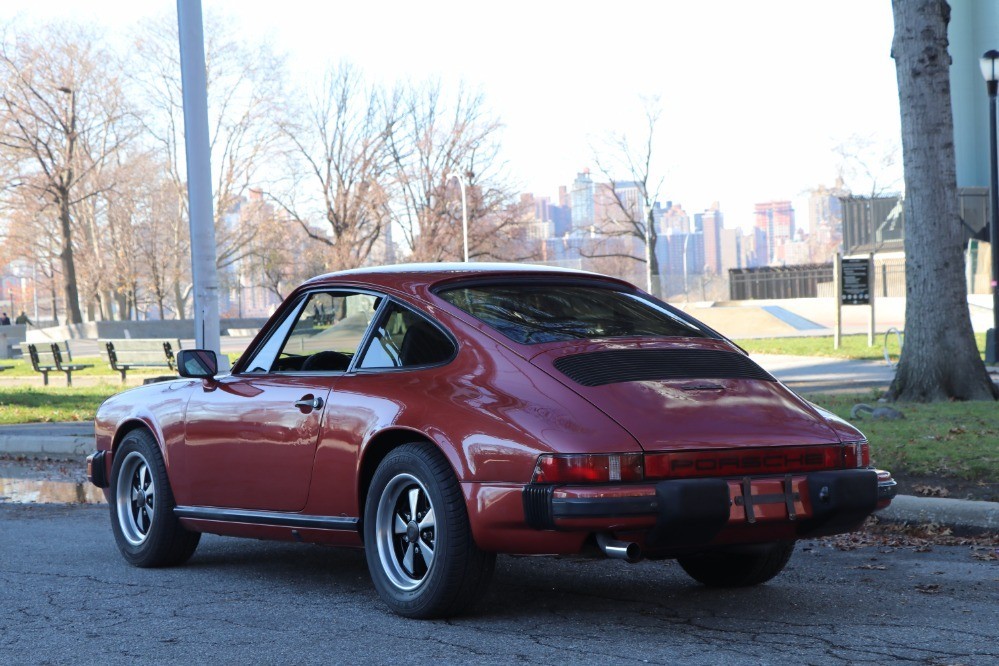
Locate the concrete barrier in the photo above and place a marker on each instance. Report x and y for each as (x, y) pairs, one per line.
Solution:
(10, 337)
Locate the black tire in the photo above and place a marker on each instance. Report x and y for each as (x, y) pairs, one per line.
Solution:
(146, 538)
(738, 567)
(396, 542)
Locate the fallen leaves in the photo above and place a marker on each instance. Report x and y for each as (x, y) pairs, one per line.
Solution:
(985, 553)
(931, 491)
(888, 537)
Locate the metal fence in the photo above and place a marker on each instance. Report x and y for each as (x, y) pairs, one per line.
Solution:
(778, 281)
(810, 281)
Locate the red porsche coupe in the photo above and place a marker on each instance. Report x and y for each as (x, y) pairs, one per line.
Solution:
(437, 415)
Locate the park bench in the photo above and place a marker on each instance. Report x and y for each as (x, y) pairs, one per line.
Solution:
(128, 353)
(57, 356)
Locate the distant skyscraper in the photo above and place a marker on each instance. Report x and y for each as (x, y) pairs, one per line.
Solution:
(582, 200)
(776, 220)
(675, 219)
(730, 249)
(824, 207)
(712, 222)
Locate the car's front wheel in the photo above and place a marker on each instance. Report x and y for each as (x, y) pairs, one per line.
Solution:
(417, 538)
(145, 528)
(738, 567)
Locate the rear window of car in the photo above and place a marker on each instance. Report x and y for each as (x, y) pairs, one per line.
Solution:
(532, 314)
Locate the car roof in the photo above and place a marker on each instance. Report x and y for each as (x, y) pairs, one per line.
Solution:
(419, 277)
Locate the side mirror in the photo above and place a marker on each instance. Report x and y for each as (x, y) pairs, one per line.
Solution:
(197, 363)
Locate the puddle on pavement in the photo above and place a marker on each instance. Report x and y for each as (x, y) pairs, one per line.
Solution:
(38, 491)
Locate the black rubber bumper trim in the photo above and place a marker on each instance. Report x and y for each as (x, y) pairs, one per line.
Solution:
(841, 501)
(97, 469)
(604, 507)
(538, 506)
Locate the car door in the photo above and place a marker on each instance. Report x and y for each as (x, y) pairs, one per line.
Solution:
(251, 437)
(383, 389)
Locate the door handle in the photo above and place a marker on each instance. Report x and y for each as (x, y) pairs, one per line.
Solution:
(310, 403)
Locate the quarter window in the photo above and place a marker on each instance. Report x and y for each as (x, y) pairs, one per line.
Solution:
(404, 339)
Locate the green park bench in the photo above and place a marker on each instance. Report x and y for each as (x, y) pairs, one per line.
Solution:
(125, 354)
(57, 356)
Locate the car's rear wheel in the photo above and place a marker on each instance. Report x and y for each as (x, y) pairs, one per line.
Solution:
(145, 528)
(738, 567)
(418, 542)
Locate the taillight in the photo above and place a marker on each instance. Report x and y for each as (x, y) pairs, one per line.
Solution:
(588, 468)
(617, 467)
(735, 462)
(856, 454)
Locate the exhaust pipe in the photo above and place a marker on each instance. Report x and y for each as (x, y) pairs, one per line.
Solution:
(628, 551)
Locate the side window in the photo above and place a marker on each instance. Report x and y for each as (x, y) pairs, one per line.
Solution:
(328, 332)
(403, 339)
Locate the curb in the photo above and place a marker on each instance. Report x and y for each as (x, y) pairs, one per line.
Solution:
(71, 446)
(962, 516)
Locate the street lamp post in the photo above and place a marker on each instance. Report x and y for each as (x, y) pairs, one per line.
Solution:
(990, 70)
(464, 212)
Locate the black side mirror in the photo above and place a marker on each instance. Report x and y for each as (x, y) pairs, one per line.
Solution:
(197, 363)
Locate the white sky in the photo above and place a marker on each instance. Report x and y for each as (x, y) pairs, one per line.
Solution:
(755, 94)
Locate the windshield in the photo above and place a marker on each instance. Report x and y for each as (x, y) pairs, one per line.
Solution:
(531, 314)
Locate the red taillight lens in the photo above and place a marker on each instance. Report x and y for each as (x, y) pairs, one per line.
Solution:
(856, 455)
(692, 464)
(587, 468)
(618, 467)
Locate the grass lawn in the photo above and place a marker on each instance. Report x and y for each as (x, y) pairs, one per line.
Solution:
(52, 403)
(852, 347)
(947, 439)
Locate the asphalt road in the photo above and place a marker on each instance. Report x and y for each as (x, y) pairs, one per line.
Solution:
(67, 597)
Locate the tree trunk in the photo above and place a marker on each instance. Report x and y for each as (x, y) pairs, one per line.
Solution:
(53, 297)
(73, 314)
(940, 359)
(657, 285)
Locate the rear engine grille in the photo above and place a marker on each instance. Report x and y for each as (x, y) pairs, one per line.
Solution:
(636, 365)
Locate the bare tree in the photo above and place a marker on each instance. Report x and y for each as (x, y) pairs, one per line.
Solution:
(60, 103)
(630, 212)
(244, 89)
(940, 359)
(433, 140)
(869, 164)
(339, 163)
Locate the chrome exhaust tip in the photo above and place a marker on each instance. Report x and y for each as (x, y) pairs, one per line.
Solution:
(628, 551)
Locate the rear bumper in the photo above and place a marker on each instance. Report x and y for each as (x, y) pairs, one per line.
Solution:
(686, 512)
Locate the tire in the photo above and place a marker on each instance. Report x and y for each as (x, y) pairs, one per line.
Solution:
(396, 543)
(742, 567)
(145, 528)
